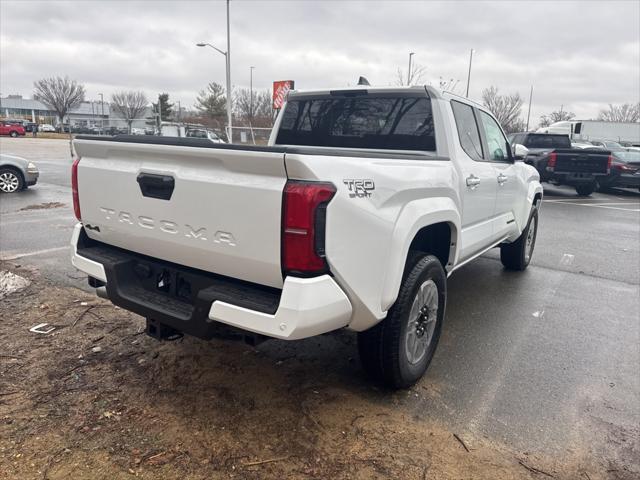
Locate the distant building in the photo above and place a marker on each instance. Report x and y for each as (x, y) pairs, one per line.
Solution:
(88, 114)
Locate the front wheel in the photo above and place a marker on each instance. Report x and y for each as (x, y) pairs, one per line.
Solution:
(398, 350)
(13, 134)
(10, 181)
(517, 255)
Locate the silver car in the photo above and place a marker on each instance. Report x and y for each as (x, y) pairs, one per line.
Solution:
(16, 173)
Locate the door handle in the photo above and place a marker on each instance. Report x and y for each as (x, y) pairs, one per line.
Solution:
(156, 186)
(473, 181)
(502, 179)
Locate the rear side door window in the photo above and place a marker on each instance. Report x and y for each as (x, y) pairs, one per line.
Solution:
(468, 132)
(495, 140)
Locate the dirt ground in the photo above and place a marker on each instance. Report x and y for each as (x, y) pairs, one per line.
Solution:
(96, 398)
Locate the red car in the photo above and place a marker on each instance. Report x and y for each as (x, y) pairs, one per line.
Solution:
(11, 129)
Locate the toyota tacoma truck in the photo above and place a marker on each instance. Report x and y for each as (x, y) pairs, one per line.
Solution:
(559, 163)
(353, 217)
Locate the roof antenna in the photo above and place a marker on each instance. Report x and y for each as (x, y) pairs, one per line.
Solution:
(363, 81)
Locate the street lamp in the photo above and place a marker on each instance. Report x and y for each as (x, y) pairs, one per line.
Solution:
(409, 72)
(227, 56)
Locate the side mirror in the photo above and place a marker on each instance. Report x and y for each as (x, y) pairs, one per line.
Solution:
(520, 152)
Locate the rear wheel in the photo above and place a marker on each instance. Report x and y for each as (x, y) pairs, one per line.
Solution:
(10, 180)
(398, 350)
(517, 255)
(13, 133)
(586, 189)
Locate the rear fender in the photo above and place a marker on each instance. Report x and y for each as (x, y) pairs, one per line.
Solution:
(415, 216)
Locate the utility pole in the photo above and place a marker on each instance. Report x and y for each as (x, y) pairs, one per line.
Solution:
(409, 71)
(179, 110)
(229, 115)
(469, 74)
(529, 111)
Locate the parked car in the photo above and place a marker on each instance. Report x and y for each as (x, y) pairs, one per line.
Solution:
(630, 146)
(625, 170)
(16, 173)
(558, 162)
(46, 127)
(204, 133)
(582, 144)
(352, 218)
(608, 145)
(11, 129)
(26, 124)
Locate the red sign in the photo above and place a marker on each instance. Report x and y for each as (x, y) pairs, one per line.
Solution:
(280, 90)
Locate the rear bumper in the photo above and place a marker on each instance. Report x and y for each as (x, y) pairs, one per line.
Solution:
(196, 302)
(574, 178)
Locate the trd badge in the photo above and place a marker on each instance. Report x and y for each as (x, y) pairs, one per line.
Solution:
(360, 188)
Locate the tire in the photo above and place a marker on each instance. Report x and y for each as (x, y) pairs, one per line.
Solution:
(10, 180)
(384, 349)
(517, 255)
(586, 189)
(13, 133)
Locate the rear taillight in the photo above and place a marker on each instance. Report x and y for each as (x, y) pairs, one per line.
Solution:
(609, 163)
(303, 227)
(553, 158)
(622, 167)
(74, 188)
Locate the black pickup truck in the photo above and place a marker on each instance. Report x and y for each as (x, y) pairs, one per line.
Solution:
(559, 163)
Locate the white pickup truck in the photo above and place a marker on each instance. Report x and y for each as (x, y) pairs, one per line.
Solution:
(353, 216)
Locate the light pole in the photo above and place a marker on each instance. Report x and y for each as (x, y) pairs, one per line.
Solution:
(409, 71)
(469, 74)
(226, 55)
(102, 116)
(529, 111)
(251, 94)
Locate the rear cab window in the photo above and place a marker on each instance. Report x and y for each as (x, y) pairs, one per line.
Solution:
(547, 141)
(385, 121)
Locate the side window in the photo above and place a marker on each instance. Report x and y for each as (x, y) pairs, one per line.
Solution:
(468, 132)
(496, 141)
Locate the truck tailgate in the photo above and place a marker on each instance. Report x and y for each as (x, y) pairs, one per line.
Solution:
(214, 209)
(582, 161)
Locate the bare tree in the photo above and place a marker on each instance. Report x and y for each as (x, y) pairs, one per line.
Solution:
(259, 112)
(415, 77)
(627, 112)
(130, 105)
(506, 108)
(556, 116)
(61, 95)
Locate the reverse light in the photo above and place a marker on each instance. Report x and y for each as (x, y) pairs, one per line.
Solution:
(74, 188)
(303, 227)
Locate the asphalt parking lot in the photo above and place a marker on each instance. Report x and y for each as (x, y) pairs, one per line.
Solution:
(545, 362)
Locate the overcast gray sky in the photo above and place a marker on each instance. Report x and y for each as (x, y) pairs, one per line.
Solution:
(583, 55)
